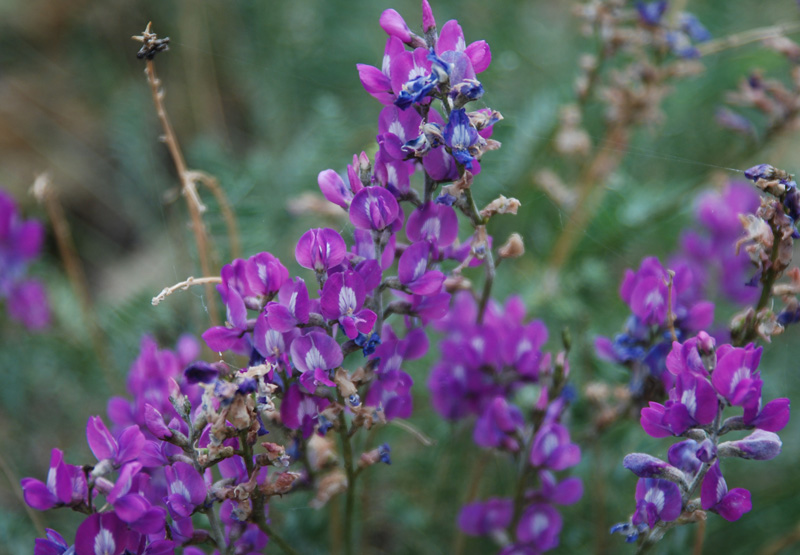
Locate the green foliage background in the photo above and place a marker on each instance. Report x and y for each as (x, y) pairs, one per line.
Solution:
(264, 95)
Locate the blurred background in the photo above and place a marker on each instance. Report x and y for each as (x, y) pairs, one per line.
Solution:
(264, 95)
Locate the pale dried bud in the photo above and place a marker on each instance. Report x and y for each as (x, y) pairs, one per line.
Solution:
(457, 282)
(553, 187)
(321, 452)
(500, 205)
(330, 485)
(346, 387)
(597, 392)
(513, 247)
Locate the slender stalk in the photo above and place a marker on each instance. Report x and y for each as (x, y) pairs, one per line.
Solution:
(608, 156)
(747, 37)
(225, 207)
(488, 262)
(347, 452)
(183, 286)
(14, 481)
(188, 187)
(45, 194)
(767, 282)
(216, 529)
(274, 537)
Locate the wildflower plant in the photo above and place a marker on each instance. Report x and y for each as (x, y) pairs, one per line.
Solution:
(289, 394)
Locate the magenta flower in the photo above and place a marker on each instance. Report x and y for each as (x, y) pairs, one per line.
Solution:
(130, 503)
(102, 534)
(714, 496)
(395, 128)
(552, 448)
(105, 446)
(20, 243)
(187, 490)
(435, 223)
(373, 208)
(759, 446)
(693, 402)
(334, 189)
(55, 544)
(299, 410)
(270, 343)
(462, 138)
(292, 309)
(320, 249)
(656, 500)
(314, 355)
(66, 485)
(255, 280)
(735, 375)
(540, 526)
(499, 426)
(342, 298)
(481, 518)
(233, 335)
(412, 270)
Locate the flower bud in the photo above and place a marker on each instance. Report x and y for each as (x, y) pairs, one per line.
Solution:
(648, 466)
(513, 247)
(760, 446)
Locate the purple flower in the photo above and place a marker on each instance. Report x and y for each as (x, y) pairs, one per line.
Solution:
(320, 249)
(313, 355)
(650, 13)
(394, 25)
(736, 375)
(435, 223)
(66, 485)
(552, 448)
(760, 446)
(462, 138)
(499, 426)
(412, 270)
(714, 496)
(683, 455)
(656, 500)
(773, 417)
(292, 309)
(105, 446)
(334, 189)
(540, 525)
(693, 402)
(342, 298)
(55, 544)
(648, 466)
(299, 410)
(187, 490)
(373, 208)
(20, 242)
(102, 534)
(27, 303)
(232, 335)
(481, 518)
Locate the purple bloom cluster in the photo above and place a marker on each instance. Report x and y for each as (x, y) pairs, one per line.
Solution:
(708, 379)
(20, 243)
(439, 66)
(714, 249)
(646, 340)
(139, 481)
(680, 38)
(484, 365)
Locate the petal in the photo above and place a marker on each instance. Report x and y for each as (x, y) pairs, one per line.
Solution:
(101, 442)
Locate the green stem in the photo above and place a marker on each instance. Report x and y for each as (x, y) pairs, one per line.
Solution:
(216, 529)
(347, 452)
(273, 537)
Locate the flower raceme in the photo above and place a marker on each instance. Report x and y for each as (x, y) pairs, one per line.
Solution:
(708, 380)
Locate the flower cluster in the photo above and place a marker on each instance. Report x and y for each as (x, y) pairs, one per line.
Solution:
(776, 102)
(710, 252)
(708, 380)
(20, 243)
(486, 365)
(138, 481)
(662, 303)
